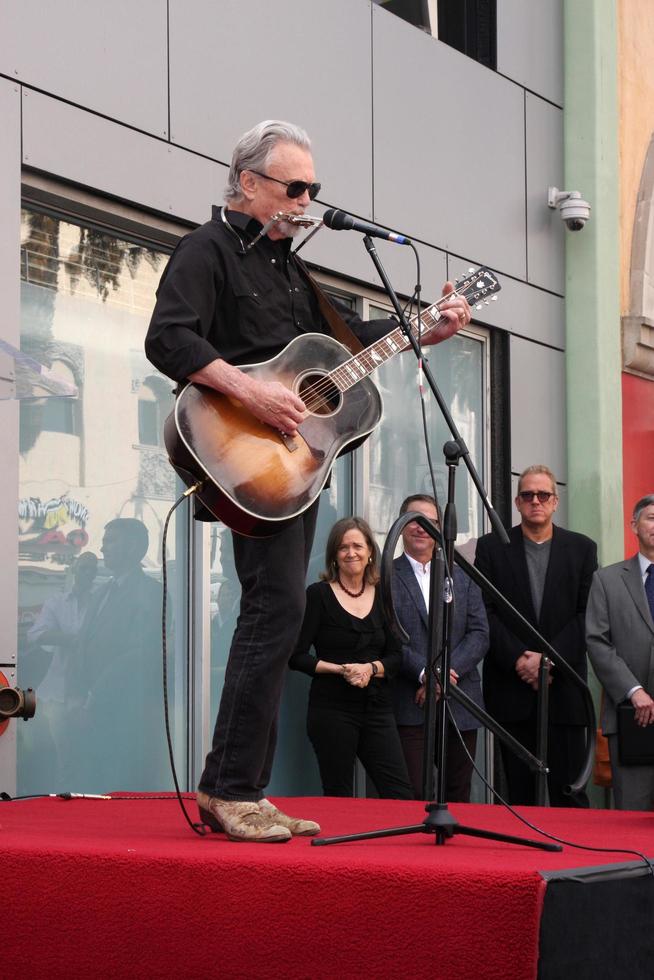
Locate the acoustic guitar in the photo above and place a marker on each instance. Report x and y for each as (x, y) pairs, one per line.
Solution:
(256, 479)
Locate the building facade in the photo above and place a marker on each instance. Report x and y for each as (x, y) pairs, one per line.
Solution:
(118, 126)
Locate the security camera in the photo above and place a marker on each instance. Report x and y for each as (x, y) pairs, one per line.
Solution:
(574, 211)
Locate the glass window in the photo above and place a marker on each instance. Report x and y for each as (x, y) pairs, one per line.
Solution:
(398, 456)
(470, 26)
(420, 13)
(95, 488)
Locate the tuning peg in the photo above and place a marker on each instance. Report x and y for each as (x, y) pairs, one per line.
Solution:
(478, 306)
(472, 269)
(494, 298)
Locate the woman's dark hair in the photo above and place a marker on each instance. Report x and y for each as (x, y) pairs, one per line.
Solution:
(336, 535)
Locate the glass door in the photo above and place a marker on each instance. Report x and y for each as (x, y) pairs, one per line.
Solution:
(95, 487)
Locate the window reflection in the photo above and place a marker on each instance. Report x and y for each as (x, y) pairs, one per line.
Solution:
(398, 458)
(95, 486)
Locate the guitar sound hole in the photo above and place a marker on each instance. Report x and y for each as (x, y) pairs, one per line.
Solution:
(319, 394)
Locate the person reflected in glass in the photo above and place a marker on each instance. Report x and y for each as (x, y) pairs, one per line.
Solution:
(350, 712)
(50, 661)
(59, 621)
(119, 676)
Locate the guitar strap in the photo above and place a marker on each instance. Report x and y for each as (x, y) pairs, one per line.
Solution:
(337, 325)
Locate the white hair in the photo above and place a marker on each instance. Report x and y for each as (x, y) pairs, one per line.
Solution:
(255, 147)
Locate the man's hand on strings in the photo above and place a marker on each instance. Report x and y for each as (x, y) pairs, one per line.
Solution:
(274, 404)
(457, 314)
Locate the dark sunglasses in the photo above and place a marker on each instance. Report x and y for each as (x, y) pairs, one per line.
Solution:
(294, 188)
(543, 495)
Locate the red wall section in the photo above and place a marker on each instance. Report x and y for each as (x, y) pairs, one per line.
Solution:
(637, 446)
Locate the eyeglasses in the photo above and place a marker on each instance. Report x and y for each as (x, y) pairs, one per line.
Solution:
(294, 188)
(543, 495)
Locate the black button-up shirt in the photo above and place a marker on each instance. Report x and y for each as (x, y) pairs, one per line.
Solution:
(214, 301)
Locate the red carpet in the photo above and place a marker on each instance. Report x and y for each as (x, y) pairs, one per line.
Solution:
(122, 888)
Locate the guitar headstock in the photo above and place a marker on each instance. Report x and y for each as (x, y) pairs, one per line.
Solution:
(478, 286)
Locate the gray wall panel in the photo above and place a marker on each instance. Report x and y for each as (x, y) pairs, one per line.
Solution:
(9, 331)
(545, 230)
(103, 155)
(111, 58)
(449, 147)
(537, 407)
(521, 309)
(530, 45)
(309, 64)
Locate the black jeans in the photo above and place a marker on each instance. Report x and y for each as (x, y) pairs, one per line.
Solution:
(341, 732)
(272, 573)
(459, 766)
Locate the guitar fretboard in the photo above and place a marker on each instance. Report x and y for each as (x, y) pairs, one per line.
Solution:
(476, 286)
(361, 365)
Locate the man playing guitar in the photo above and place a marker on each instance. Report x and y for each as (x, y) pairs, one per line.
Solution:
(221, 305)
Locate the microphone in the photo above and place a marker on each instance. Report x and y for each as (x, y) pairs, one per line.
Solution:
(342, 221)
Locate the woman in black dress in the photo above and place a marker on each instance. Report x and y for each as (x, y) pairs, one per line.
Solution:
(350, 704)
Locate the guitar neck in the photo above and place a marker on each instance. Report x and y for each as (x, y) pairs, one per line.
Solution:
(361, 365)
(476, 287)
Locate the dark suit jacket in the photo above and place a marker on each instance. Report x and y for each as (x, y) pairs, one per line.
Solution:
(573, 559)
(469, 642)
(620, 635)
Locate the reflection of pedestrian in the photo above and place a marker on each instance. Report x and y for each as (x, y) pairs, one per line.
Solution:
(57, 626)
(350, 705)
(52, 650)
(118, 680)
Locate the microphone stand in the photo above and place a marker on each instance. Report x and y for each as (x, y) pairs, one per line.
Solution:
(542, 708)
(439, 820)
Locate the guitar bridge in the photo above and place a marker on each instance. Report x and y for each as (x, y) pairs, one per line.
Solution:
(290, 442)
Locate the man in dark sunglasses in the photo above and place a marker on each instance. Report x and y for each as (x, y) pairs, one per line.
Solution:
(233, 293)
(545, 572)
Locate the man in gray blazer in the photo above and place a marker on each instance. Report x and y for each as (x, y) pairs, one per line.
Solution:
(469, 642)
(620, 639)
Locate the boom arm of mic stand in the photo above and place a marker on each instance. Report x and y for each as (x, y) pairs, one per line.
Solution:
(535, 764)
(496, 523)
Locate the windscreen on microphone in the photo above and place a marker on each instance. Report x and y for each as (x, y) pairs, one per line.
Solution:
(342, 221)
(338, 220)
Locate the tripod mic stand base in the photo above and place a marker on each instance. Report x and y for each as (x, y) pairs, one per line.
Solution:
(439, 822)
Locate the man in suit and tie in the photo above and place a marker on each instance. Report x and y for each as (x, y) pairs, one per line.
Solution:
(545, 572)
(469, 642)
(620, 639)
